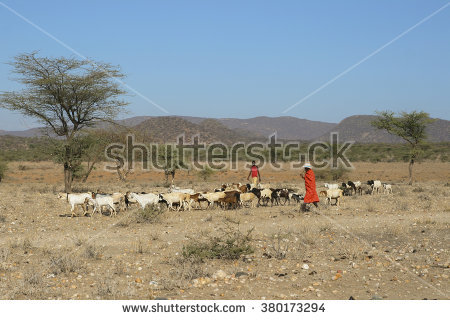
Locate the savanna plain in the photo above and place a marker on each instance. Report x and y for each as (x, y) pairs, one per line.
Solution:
(382, 246)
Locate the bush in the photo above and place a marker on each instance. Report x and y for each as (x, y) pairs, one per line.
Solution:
(64, 263)
(331, 174)
(205, 173)
(3, 169)
(150, 214)
(229, 244)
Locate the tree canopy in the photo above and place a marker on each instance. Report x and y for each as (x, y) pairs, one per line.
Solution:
(66, 95)
(411, 127)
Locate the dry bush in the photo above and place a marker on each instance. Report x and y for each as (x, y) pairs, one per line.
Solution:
(228, 243)
(351, 250)
(393, 232)
(370, 207)
(119, 268)
(106, 289)
(2, 218)
(79, 240)
(307, 234)
(32, 286)
(24, 244)
(151, 214)
(423, 197)
(64, 262)
(424, 221)
(401, 192)
(155, 235)
(402, 205)
(91, 251)
(279, 246)
(188, 268)
(418, 189)
(4, 255)
(139, 247)
(324, 227)
(124, 221)
(46, 251)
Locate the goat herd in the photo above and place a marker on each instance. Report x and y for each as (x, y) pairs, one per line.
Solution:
(228, 196)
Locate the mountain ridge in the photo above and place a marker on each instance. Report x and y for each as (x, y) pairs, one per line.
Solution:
(229, 130)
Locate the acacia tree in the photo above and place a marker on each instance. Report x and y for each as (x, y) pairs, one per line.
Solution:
(66, 95)
(411, 127)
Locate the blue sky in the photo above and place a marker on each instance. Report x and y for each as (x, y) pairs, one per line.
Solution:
(247, 58)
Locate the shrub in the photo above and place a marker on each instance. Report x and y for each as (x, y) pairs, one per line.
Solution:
(151, 214)
(331, 174)
(3, 169)
(91, 251)
(279, 246)
(229, 244)
(64, 263)
(205, 173)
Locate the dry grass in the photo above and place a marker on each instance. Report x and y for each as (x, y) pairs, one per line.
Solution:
(139, 254)
(64, 262)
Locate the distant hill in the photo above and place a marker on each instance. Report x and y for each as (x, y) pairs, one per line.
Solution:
(167, 129)
(289, 128)
(34, 132)
(358, 128)
(229, 130)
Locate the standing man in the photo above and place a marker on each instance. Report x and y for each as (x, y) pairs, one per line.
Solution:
(254, 171)
(310, 186)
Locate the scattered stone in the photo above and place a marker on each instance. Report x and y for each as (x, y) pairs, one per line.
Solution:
(305, 266)
(336, 276)
(241, 274)
(219, 274)
(281, 274)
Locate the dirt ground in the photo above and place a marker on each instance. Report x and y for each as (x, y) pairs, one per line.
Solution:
(372, 247)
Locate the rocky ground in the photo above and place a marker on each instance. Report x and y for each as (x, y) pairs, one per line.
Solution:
(372, 247)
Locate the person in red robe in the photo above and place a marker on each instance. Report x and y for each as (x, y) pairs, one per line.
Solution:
(310, 185)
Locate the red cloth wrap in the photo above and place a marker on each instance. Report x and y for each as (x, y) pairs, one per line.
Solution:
(310, 186)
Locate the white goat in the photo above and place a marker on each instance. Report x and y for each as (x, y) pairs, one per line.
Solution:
(331, 186)
(387, 188)
(174, 189)
(143, 199)
(100, 201)
(336, 194)
(75, 199)
(212, 197)
(249, 197)
(375, 185)
(176, 197)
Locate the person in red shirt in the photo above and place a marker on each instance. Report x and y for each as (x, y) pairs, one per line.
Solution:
(310, 186)
(254, 172)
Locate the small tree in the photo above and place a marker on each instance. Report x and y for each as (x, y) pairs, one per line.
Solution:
(94, 143)
(411, 127)
(66, 95)
(171, 161)
(3, 169)
(205, 173)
